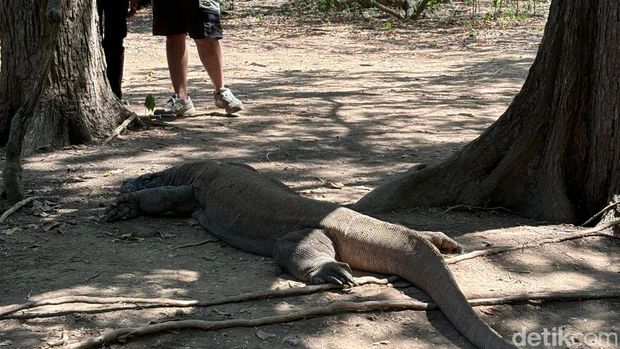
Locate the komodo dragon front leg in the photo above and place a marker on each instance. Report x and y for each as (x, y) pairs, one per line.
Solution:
(177, 199)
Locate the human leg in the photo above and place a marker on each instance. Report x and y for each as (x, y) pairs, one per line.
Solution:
(169, 20)
(205, 28)
(210, 53)
(113, 27)
(178, 57)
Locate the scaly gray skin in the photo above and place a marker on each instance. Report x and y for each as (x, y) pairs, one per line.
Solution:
(315, 241)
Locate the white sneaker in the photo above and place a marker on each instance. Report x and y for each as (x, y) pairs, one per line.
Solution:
(177, 107)
(226, 100)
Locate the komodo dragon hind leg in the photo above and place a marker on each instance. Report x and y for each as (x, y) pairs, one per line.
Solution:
(177, 199)
(309, 255)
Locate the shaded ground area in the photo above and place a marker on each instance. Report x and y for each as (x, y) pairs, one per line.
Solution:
(347, 102)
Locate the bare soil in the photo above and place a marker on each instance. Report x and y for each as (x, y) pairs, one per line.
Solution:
(345, 101)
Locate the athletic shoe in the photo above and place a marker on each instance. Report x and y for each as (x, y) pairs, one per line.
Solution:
(225, 99)
(177, 107)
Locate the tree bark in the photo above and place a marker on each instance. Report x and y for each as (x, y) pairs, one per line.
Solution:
(555, 153)
(77, 105)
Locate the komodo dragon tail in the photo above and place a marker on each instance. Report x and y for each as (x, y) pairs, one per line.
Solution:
(373, 245)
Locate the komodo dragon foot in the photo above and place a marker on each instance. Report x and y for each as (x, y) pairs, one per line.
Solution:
(443, 242)
(123, 207)
(333, 273)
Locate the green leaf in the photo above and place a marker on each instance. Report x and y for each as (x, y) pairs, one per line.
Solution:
(149, 102)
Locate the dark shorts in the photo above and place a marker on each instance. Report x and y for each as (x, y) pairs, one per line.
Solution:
(198, 18)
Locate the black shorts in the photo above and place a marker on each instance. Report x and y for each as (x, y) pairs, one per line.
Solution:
(198, 18)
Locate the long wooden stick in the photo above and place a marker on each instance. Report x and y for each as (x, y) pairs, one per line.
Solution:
(124, 334)
(5, 312)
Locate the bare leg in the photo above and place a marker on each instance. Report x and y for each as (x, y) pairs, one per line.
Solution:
(178, 57)
(210, 53)
(309, 255)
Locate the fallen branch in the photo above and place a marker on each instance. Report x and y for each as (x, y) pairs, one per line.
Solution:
(16, 207)
(5, 312)
(125, 334)
(121, 128)
(596, 231)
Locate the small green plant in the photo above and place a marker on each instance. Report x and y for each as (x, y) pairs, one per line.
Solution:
(149, 103)
(387, 25)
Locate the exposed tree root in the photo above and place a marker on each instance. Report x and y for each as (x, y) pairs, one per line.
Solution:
(386, 9)
(124, 334)
(16, 207)
(600, 213)
(6, 312)
(596, 231)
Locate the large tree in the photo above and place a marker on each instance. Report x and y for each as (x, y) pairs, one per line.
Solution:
(77, 105)
(555, 153)
(53, 88)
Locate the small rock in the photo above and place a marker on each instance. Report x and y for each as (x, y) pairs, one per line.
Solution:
(264, 335)
(292, 340)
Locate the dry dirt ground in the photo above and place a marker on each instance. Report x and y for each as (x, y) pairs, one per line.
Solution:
(342, 101)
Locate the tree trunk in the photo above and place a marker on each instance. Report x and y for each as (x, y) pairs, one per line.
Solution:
(555, 153)
(77, 105)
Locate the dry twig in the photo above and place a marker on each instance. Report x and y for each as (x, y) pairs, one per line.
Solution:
(125, 334)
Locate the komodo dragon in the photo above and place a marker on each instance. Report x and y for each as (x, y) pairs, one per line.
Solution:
(315, 241)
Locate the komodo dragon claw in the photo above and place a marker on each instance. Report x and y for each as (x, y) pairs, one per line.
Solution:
(123, 207)
(333, 273)
(443, 242)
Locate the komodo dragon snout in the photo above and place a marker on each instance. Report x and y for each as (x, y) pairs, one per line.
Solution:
(315, 241)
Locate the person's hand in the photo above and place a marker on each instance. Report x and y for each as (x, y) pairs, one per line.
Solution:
(133, 8)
